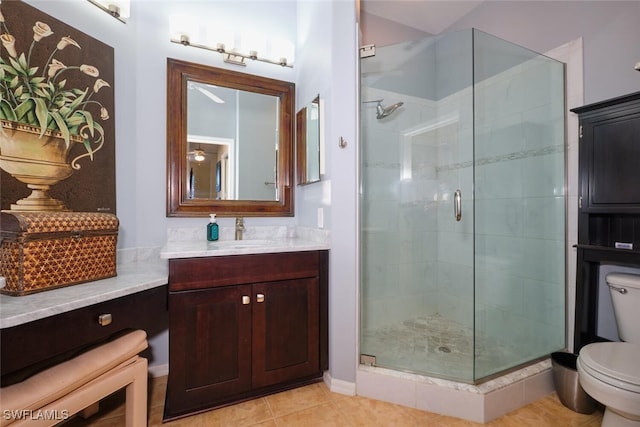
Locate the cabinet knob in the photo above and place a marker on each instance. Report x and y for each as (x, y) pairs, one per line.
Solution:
(260, 298)
(105, 319)
(246, 299)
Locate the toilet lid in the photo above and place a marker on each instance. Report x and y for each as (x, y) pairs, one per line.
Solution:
(619, 361)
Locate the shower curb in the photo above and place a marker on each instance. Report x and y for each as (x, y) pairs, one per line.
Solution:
(479, 403)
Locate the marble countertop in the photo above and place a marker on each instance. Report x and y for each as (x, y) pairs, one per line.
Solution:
(132, 277)
(203, 248)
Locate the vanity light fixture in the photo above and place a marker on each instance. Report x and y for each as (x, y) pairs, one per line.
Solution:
(119, 9)
(231, 56)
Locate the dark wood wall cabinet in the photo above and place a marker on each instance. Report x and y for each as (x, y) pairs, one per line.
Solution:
(244, 326)
(609, 201)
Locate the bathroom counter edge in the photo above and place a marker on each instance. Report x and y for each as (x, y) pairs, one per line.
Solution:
(131, 278)
(195, 249)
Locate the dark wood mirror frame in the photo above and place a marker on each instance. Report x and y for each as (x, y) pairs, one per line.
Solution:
(178, 205)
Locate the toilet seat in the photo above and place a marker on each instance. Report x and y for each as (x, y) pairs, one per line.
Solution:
(614, 363)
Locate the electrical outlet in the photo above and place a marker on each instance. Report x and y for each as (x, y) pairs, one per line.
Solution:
(320, 217)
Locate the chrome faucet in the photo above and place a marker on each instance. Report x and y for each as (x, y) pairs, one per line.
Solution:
(239, 228)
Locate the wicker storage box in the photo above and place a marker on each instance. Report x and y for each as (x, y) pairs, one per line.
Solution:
(47, 250)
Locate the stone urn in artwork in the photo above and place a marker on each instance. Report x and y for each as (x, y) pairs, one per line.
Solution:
(46, 109)
(39, 161)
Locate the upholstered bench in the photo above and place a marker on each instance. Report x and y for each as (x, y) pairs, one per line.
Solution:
(52, 395)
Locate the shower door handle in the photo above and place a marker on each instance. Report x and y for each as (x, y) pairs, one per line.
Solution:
(457, 205)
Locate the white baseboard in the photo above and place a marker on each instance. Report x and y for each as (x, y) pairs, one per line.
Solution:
(339, 386)
(159, 370)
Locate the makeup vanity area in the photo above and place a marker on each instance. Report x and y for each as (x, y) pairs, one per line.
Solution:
(45, 327)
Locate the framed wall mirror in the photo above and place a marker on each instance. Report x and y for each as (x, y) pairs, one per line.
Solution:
(308, 144)
(229, 142)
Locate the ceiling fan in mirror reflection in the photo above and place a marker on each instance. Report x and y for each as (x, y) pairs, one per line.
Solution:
(198, 154)
(206, 90)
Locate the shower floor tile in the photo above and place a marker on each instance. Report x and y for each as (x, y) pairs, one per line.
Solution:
(437, 346)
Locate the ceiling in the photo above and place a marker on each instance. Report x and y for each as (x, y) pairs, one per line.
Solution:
(431, 16)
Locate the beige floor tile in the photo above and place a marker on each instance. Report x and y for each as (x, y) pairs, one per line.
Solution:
(545, 412)
(332, 395)
(104, 422)
(361, 411)
(425, 418)
(316, 405)
(444, 420)
(240, 415)
(324, 415)
(155, 414)
(269, 423)
(593, 422)
(157, 389)
(297, 399)
(551, 408)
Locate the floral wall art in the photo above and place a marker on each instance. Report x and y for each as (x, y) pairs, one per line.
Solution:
(57, 142)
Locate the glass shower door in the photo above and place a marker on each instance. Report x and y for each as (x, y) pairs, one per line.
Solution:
(416, 249)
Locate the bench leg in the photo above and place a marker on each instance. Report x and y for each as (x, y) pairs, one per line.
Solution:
(136, 397)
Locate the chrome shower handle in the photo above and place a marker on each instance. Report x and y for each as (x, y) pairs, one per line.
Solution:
(457, 205)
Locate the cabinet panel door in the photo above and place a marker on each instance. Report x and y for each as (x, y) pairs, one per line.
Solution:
(210, 346)
(615, 159)
(285, 331)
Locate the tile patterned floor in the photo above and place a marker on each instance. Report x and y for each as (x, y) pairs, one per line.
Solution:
(315, 405)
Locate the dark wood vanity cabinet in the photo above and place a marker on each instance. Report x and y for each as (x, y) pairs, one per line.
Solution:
(609, 201)
(244, 326)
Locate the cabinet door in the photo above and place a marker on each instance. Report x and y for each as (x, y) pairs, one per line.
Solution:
(610, 154)
(210, 346)
(285, 331)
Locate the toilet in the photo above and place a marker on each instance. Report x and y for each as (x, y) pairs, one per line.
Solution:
(610, 371)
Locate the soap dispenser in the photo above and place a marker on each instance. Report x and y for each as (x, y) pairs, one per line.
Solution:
(212, 228)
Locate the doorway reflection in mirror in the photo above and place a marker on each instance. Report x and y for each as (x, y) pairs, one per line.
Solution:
(210, 171)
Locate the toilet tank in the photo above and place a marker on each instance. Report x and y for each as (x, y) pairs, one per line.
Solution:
(625, 294)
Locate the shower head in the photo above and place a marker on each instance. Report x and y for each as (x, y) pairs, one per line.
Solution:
(386, 111)
(382, 112)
